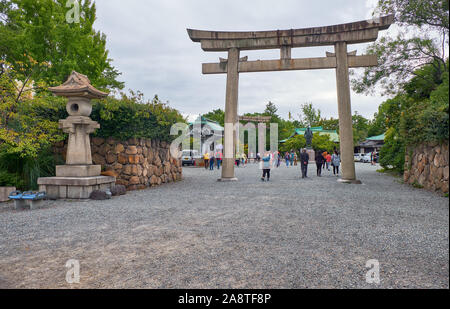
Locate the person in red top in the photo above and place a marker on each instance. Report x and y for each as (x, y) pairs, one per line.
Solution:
(324, 159)
(328, 161)
(219, 158)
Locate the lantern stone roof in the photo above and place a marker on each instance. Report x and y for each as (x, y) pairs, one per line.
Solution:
(78, 85)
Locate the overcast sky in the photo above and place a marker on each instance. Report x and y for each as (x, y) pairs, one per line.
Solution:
(150, 46)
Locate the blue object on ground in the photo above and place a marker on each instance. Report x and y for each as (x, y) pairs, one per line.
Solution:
(33, 196)
(16, 195)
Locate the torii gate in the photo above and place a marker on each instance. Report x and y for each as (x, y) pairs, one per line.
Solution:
(338, 35)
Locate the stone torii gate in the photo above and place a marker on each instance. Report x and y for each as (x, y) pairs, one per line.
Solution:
(338, 36)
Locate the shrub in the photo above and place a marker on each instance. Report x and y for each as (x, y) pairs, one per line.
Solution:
(23, 172)
(392, 154)
(130, 117)
(10, 180)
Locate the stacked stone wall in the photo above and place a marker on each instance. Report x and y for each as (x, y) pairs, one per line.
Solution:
(137, 163)
(427, 165)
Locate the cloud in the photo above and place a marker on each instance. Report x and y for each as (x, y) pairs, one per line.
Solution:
(150, 46)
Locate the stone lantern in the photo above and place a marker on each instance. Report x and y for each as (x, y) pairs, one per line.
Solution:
(79, 177)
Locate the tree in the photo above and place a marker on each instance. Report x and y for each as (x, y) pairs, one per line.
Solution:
(414, 116)
(329, 124)
(400, 57)
(23, 132)
(309, 116)
(360, 128)
(33, 33)
(295, 143)
(217, 115)
(271, 109)
(323, 143)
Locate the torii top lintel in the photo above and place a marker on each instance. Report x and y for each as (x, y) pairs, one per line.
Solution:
(351, 33)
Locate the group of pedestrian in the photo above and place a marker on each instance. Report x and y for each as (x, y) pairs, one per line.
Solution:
(241, 159)
(324, 160)
(290, 158)
(273, 159)
(212, 159)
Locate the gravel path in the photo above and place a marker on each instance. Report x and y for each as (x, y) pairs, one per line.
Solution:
(289, 233)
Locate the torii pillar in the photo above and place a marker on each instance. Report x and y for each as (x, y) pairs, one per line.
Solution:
(345, 114)
(231, 115)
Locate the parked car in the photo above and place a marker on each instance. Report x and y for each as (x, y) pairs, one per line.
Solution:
(366, 158)
(358, 157)
(188, 157)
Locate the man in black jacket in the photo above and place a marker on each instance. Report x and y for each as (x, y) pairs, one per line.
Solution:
(304, 159)
(319, 162)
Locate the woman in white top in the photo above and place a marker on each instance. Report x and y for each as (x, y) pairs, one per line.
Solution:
(336, 162)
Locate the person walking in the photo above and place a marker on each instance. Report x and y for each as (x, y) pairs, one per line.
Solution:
(266, 165)
(319, 163)
(291, 159)
(212, 159)
(328, 160)
(287, 158)
(237, 160)
(295, 159)
(336, 162)
(304, 160)
(219, 158)
(206, 160)
(325, 154)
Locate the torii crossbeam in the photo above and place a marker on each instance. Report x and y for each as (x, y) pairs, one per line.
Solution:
(338, 36)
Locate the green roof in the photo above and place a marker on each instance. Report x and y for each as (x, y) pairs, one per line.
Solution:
(377, 138)
(214, 125)
(314, 129)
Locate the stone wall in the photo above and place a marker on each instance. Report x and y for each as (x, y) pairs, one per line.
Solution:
(136, 163)
(4, 193)
(428, 165)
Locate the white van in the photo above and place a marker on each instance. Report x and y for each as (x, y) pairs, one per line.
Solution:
(188, 157)
(358, 157)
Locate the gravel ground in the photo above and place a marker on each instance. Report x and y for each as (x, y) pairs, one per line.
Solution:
(198, 233)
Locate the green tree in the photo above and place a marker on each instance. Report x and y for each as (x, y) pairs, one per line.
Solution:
(329, 124)
(323, 143)
(400, 57)
(309, 116)
(295, 143)
(217, 115)
(360, 128)
(34, 33)
(271, 109)
(414, 116)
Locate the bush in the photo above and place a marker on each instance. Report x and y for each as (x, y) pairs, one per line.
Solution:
(297, 142)
(10, 180)
(419, 114)
(131, 117)
(23, 172)
(392, 154)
